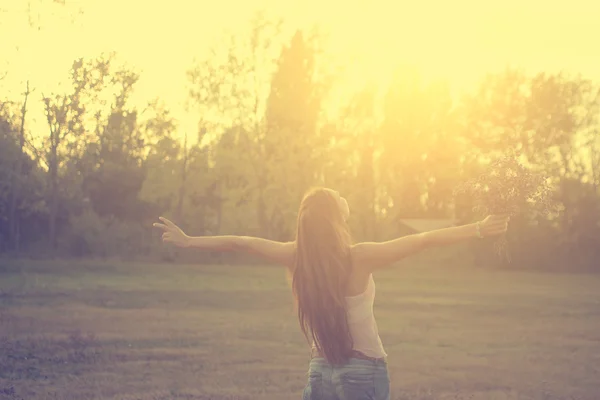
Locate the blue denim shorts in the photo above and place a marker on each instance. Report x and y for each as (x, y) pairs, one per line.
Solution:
(358, 379)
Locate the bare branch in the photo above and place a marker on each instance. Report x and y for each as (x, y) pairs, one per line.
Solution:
(37, 153)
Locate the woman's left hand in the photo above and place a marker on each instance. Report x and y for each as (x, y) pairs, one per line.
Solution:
(172, 233)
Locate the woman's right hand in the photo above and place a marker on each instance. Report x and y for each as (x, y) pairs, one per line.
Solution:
(172, 233)
(494, 225)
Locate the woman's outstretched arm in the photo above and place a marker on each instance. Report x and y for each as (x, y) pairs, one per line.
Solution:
(278, 252)
(379, 255)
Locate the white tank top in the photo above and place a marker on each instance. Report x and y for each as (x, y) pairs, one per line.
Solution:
(361, 321)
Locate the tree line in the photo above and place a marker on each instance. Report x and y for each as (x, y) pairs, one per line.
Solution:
(105, 169)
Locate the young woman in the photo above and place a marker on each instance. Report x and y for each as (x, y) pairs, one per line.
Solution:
(333, 288)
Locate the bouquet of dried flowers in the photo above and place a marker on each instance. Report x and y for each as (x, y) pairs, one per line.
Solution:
(508, 187)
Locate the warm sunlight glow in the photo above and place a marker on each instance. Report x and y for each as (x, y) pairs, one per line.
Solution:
(163, 162)
(456, 41)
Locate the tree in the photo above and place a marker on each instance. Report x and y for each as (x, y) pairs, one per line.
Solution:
(64, 114)
(419, 151)
(230, 90)
(549, 119)
(352, 165)
(17, 179)
(293, 148)
(116, 156)
(163, 160)
(22, 207)
(100, 163)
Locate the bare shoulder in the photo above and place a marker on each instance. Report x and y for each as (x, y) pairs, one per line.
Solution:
(361, 259)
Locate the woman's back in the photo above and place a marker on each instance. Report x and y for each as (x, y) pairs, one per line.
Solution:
(362, 324)
(361, 321)
(359, 378)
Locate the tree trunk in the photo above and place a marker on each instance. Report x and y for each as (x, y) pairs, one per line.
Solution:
(218, 190)
(595, 157)
(263, 222)
(179, 211)
(53, 167)
(13, 215)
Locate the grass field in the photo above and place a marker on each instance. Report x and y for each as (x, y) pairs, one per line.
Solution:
(134, 331)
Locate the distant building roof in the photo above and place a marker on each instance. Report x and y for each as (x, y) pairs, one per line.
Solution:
(426, 225)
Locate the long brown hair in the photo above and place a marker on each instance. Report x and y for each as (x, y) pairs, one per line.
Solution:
(322, 268)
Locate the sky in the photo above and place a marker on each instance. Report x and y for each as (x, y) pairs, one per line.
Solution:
(459, 41)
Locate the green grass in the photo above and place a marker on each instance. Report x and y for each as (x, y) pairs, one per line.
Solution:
(91, 330)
